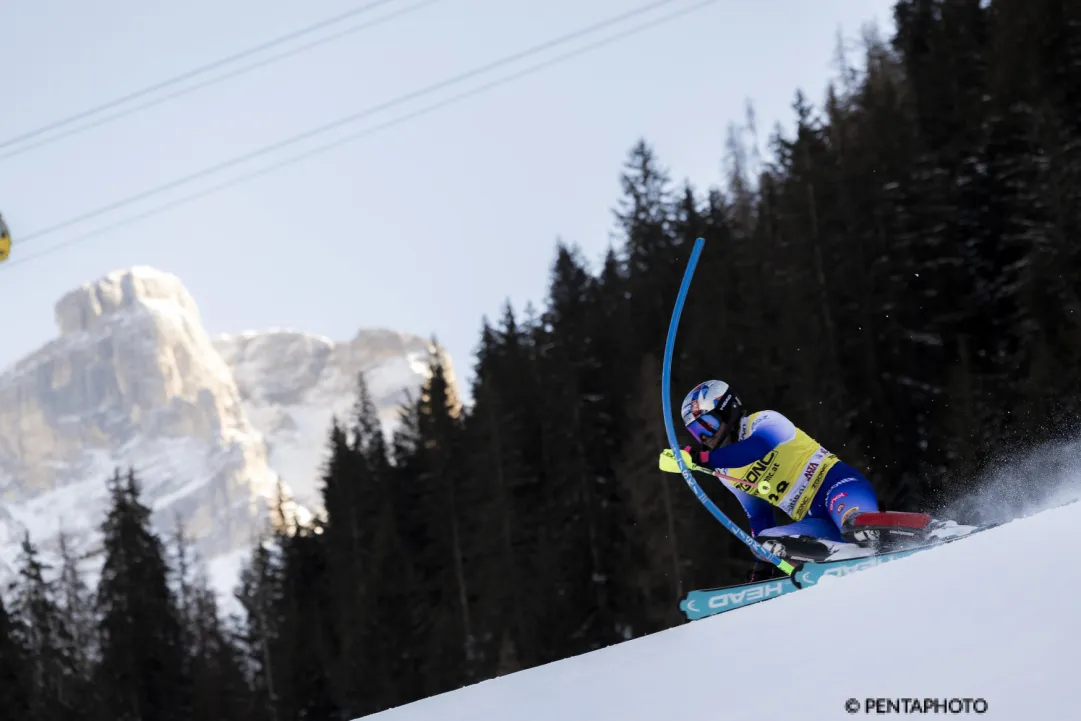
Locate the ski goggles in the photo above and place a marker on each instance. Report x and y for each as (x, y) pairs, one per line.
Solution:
(704, 427)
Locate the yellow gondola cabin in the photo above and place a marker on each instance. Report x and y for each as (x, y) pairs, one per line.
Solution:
(5, 240)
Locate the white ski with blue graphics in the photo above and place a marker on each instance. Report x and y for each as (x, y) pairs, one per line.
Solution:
(699, 604)
(709, 602)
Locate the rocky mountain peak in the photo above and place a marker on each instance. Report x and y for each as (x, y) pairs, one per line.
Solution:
(141, 287)
(210, 426)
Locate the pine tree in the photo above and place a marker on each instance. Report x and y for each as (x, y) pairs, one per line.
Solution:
(141, 674)
(347, 561)
(260, 595)
(212, 660)
(53, 676)
(363, 551)
(579, 452)
(75, 603)
(436, 535)
(652, 261)
(502, 464)
(15, 694)
(219, 689)
(307, 636)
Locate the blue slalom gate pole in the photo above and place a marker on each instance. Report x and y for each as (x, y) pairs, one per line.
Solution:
(666, 403)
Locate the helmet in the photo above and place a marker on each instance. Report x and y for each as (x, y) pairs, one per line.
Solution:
(710, 412)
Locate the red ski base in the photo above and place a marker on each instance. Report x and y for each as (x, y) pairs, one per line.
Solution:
(891, 519)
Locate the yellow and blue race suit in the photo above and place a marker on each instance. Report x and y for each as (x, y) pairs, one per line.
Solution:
(810, 484)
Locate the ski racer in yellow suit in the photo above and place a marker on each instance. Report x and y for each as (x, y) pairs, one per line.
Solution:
(820, 493)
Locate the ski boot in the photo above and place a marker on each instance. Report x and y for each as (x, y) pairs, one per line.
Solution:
(885, 531)
(805, 549)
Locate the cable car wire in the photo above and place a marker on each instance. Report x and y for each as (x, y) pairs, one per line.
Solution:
(187, 75)
(361, 134)
(353, 117)
(98, 122)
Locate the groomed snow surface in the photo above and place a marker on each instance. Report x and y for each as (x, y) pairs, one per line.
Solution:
(992, 617)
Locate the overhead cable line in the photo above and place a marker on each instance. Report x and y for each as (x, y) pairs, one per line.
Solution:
(187, 75)
(308, 134)
(361, 134)
(48, 140)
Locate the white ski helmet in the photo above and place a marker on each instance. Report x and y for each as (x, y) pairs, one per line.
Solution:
(711, 408)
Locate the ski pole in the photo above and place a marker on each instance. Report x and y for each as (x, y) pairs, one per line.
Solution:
(668, 465)
(669, 427)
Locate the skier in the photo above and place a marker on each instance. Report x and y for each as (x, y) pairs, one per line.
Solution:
(820, 493)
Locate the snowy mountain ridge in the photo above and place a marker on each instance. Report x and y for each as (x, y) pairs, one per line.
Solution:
(292, 384)
(209, 425)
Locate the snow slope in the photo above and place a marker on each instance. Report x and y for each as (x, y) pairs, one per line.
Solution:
(990, 617)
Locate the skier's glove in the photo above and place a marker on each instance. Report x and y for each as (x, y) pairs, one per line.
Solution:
(703, 456)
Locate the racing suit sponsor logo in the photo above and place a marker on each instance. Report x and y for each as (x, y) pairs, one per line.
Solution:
(833, 487)
(835, 498)
(763, 468)
(805, 502)
(754, 424)
(849, 512)
(798, 500)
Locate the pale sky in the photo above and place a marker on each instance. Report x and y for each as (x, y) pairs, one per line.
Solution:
(424, 227)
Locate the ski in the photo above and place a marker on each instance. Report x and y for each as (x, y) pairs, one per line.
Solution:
(713, 601)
